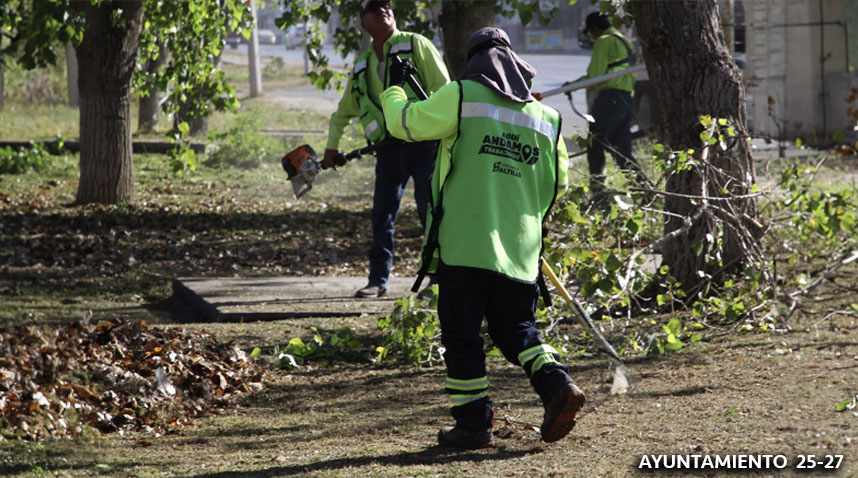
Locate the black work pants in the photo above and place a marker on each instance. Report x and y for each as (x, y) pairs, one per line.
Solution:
(465, 296)
(611, 131)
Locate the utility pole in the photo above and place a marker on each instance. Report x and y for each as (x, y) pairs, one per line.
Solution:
(253, 56)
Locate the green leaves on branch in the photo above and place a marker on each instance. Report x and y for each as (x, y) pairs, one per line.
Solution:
(341, 345)
(820, 214)
(194, 35)
(848, 404)
(414, 16)
(412, 333)
(183, 159)
(39, 29)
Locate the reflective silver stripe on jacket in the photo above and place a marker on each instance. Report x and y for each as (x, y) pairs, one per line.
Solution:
(370, 128)
(404, 125)
(404, 47)
(506, 115)
(360, 66)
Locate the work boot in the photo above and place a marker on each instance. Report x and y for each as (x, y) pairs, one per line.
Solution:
(560, 412)
(371, 291)
(456, 437)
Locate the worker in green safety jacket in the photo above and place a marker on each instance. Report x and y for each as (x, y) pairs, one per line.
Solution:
(399, 161)
(500, 167)
(612, 109)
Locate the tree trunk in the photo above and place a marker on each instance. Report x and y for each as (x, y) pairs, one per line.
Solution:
(149, 108)
(692, 74)
(71, 75)
(106, 58)
(458, 21)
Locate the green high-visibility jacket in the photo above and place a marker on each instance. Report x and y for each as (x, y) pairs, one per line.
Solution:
(500, 166)
(362, 95)
(610, 52)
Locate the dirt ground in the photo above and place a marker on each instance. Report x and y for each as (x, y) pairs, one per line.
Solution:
(745, 394)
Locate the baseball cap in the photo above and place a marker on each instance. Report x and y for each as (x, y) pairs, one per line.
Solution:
(373, 5)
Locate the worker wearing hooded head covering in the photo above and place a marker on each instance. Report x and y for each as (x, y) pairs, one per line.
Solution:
(500, 166)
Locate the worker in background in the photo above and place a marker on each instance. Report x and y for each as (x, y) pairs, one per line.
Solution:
(399, 161)
(500, 167)
(612, 110)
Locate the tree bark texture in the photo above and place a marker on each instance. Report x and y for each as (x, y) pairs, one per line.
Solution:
(692, 74)
(150, 105)
(71, 75)
(458, 21)
(106, 59)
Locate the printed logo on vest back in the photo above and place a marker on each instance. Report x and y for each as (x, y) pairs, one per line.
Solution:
(500, 167)
(508, 146)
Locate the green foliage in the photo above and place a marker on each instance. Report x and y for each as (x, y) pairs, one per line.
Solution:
(848, 404)
(39, 29)
(410, 15)
(341, 345)
(183, 159)
(35, 158)
(821, 215)
(194, 34)
(243, 145)
(412, 333)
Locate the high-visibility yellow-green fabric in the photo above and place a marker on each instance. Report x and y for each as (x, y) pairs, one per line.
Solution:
(432, 75)
(610, 48)
(500, 166)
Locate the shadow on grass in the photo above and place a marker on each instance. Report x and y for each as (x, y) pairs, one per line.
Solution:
(434, 455)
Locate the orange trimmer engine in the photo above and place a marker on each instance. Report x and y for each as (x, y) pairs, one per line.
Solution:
(302, 166)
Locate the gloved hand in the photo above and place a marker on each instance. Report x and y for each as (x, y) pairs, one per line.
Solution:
(329, 160)
(398, 72)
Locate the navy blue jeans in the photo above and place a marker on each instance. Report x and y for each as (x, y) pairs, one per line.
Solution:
(395, 164)
(612, 112)
(465, 296)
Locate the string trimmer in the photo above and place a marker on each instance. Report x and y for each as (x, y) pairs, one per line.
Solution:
(302, 164)
(621, 375)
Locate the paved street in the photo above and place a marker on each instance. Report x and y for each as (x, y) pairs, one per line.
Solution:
(552, 71)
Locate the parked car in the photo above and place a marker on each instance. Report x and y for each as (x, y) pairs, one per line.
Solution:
(234, 39)
(294, 36)
(266, 37)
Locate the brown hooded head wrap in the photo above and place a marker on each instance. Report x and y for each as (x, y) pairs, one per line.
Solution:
(492, 62)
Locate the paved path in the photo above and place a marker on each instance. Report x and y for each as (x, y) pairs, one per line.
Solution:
(273, 298)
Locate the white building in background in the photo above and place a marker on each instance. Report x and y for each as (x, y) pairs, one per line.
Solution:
(801, 58)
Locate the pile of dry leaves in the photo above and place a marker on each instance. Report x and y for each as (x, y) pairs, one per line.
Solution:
(115, 376)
